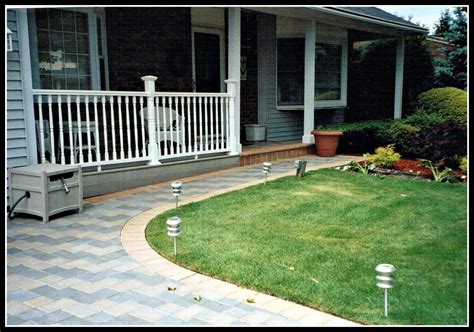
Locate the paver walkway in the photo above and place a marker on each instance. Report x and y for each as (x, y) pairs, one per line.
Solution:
(75, 271)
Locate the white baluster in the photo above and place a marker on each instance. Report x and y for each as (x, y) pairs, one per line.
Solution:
(127, 117)
(88, 131)
(79, 128)
(119, 103)
(96, 138)
(194, 124)
(216, 101)
(112, 120)
(106, 140)
(41, 129)
(227, 124)
(178, 145)
(200, 123)
(165, 125)
(158, 123)
(170, 108)
(135, 128)
(188, 102)
(71, 140)
(51, 129)
(142, 127)
(222, 123)
(61, 131)
(183, 129)
(206, 123)
(211, 99)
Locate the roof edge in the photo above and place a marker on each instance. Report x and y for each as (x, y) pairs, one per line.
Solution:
(369, 18)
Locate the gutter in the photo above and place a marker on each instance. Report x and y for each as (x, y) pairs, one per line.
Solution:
(370, 19)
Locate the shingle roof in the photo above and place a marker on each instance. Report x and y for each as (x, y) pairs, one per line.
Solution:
(377, 13)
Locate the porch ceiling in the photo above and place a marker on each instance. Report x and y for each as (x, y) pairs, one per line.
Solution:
(370, 25)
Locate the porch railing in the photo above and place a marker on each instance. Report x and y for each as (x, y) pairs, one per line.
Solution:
(96, 128)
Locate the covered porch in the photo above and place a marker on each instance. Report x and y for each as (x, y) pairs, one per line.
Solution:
(149, 96)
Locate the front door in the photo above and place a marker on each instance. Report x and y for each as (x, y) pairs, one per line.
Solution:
(207, 62)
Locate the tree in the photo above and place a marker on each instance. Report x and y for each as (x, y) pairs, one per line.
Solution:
(452, 70)
(444, 23)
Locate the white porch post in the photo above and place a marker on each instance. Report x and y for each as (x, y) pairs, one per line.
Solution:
(234, 70)
(152, 144)
(232, 135)
(309, 76)
(397, 107)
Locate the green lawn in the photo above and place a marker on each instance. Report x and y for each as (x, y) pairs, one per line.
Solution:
(316, 240)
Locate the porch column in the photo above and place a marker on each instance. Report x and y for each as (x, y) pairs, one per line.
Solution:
(397, 107)
(309, 67)
(234, 67)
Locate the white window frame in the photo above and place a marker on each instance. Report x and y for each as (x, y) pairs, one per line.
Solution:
(93, 45)
(320, 104)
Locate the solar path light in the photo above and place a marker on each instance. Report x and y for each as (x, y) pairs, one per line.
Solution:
(174, 230)
(385, 280)
(300, 166)
(267, 168)
(176, 189)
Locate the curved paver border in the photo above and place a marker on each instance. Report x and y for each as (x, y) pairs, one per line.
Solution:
(135, 243)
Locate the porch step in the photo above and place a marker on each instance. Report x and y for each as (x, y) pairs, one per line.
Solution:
(275, 152)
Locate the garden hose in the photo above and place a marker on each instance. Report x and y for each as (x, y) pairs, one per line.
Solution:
(26, 195)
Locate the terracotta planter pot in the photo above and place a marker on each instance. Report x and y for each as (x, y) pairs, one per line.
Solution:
(326, 142)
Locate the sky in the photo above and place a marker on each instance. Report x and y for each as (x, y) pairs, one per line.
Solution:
(426, 15)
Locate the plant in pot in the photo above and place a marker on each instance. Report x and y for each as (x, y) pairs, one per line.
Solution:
(326, 142)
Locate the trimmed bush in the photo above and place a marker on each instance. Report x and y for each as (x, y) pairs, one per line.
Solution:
(450, 103)
(383, 156)
(463, 164)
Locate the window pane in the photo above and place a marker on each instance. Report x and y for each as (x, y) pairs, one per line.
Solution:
(102, 75)
(81, 22)
(46, 82)
(59, 82)
(41, 18)
(72, 83)
(71, 64)
(43, 40)
(68, 21)
(44, 63)
(328, 72)
(84, 82)
(83, 65)
(55, 22)
(290, 71)
(57, 62)
(70, 42)
(56, 41)
(82, 44)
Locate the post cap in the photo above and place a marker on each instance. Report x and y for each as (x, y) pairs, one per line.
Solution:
(149, 78)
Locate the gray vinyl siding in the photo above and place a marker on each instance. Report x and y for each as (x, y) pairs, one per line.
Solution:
(17, 149)
(281, 125)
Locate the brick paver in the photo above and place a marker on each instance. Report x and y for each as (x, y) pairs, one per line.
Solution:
(75, 271)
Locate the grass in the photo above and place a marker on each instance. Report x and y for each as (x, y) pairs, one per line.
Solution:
(316, 240)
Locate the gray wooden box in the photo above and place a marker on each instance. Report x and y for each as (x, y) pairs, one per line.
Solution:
(48, 196)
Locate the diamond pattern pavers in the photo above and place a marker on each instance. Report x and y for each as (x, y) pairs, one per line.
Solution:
(74, 270)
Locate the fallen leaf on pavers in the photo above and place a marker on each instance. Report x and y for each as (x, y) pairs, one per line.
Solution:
(197, 298)
(315, 280)
(170, 288)
(250, 300)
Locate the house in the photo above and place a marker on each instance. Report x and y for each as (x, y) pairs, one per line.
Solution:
(137, 95)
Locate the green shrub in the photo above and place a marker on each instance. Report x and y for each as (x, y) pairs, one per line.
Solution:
(383, 156)
(450, 103)
(361, 137)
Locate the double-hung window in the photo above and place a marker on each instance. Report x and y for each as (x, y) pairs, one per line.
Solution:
(67, 49)
(330, 85)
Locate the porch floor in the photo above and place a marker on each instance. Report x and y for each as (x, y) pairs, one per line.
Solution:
(74, 270)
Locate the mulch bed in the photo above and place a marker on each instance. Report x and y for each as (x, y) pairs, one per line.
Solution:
(411, 168)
